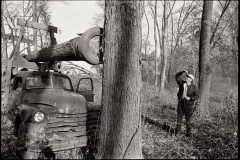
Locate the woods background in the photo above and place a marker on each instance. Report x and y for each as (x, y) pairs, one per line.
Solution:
(170, 42)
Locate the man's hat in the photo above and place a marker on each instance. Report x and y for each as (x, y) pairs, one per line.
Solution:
(190, 76)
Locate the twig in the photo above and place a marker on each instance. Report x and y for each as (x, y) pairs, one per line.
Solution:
(135, 133)
(14, 153)
(220, 3)
(170, 12)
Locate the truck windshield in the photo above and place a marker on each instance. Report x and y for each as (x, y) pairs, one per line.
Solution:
(62, 83)
(38, 81)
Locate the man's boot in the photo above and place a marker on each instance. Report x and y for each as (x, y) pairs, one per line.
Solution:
(188, 134)
(178, 128)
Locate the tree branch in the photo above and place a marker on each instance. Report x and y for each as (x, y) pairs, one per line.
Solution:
(220, 18)
(147, 35)
(214, 43)
(170, 12)
(21, 35)
(220, 3)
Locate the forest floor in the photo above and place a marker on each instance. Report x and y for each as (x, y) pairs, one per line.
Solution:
(214, 137)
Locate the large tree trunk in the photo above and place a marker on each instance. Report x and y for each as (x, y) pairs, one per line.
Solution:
(164, 65)
(121, 114)
(204, 52)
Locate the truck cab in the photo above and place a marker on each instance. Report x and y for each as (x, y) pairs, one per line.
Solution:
(50, 115)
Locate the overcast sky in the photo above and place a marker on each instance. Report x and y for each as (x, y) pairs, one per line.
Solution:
(72, 17)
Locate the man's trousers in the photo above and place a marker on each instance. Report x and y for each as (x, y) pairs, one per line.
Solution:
(187, 110)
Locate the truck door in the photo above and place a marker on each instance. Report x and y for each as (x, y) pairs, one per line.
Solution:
(85, 88)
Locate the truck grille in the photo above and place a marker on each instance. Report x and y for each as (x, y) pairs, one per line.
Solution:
(66, 126)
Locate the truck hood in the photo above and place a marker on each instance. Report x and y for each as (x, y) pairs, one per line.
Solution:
(64, 101)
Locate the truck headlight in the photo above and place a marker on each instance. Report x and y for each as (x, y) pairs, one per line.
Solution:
(38, 116)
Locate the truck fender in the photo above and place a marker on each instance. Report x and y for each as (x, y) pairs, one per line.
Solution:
(26, 112)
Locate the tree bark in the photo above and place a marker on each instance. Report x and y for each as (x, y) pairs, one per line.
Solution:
(164, 65)
(169, 71)
(4, 38)
(34, 20)
(156, 45)
(156, 29)
(171, 51)
(67, 51)
(146, 46)
(204, 52)
(121, 113)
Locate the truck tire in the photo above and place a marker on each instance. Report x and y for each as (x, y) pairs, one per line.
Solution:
(91, 56)
(24, 154)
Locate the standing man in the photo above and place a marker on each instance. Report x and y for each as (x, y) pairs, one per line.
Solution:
(187, 94)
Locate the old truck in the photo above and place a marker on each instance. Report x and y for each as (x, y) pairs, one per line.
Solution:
(51, 116)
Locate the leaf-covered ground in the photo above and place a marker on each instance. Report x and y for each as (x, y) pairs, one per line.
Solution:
(213, 138)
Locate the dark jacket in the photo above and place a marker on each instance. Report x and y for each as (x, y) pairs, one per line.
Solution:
(192, 92)
(180, 78)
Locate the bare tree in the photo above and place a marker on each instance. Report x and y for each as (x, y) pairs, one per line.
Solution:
(156, 45)
(156, 27)
(164, 34)
(146, 41)
(3, 35)
(121, 114)
(34, 10)
(170, 56)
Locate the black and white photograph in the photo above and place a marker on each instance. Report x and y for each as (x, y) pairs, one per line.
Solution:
(119, 79)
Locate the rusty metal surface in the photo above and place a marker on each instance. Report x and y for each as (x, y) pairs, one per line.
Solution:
(64, 101)
(94, 106)
(59, 135)
(67, 116)
(65, 124)
(35, 132)
(59, 145)
(67, 134)
(65, 129)
(67, 120)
